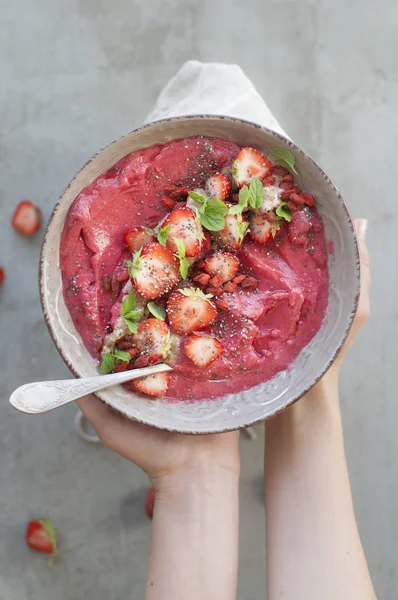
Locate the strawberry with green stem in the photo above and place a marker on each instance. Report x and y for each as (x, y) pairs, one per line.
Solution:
(189, 310)
(248, 164)
(218, 186)
(153, 337)
(224, 264)
(154, 270)
(137, 237)
(183, 224)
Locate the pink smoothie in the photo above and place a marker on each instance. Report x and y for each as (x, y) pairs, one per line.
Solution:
(264, 330)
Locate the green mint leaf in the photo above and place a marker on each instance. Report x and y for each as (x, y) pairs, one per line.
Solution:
(219, 205)
(162, 235)
(107, 362)
(184, 267)
(180, 247)
(212, 214)
(284, 157)
(129, 304)
(124, 356)
(212, 219)
(157, 311)
(256, 193)
(198, 197)
(241, 228)
(133, 315)
(129, 314)
(284, 212)
(135, 267)
(129, 265)
(244, 194)
(132, 325)
(236, 209)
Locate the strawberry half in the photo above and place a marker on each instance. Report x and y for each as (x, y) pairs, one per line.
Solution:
(155, 270)
(250, 163)
(190, 310)
(153, 385)
(137, 237)
(260, 229)
(222, 263)
(41, 536)
(26, 218)
(232, 235)
(153, 335)
(2, 276)
(184, 224)
(203, 349)
(218, 186)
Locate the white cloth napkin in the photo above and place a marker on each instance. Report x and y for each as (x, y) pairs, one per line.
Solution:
(212, 88)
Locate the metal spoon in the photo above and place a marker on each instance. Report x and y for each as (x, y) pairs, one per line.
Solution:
(34, 398)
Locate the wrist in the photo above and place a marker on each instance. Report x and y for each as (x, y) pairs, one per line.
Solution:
(200, 474)
(323, 396)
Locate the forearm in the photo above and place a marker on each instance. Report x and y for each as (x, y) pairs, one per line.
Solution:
(194, 550)
(313, 546)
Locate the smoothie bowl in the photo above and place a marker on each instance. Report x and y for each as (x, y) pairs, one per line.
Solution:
(211, 244)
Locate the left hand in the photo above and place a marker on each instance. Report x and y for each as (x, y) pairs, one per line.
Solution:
(167, 458)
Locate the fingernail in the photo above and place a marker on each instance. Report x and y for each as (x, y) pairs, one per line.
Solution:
(362, 225)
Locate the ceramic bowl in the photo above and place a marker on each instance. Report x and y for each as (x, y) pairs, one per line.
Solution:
(264, 400)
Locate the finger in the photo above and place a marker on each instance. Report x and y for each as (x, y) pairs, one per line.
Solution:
(117, 432)
(97, 413)
(360, 228)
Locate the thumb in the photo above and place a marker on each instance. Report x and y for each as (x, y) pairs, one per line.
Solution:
(117, 432)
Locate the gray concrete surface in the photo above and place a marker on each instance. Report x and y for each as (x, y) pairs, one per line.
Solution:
(76, 74)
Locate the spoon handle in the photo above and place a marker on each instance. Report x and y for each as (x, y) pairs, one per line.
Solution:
(41, 396)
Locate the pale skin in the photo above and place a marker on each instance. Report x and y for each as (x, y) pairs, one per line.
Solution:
(313, 547)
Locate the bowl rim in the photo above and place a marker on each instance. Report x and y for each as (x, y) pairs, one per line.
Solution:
(296, 149)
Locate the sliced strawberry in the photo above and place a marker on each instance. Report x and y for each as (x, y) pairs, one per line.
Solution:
(250, 163)
(153, 385)
(232, 235)
(155, 271)
(190, 310)
(2, 276)
(184, 224)
(218, 186)
(222, 263)
(150, 502)
(153, 335)
(203, 349)
(26, 218)
(260, 229)
(136, 238)
(41, 536)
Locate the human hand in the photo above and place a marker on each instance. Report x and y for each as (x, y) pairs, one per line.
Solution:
(330, 380)
(168, 458)
(363, 309)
